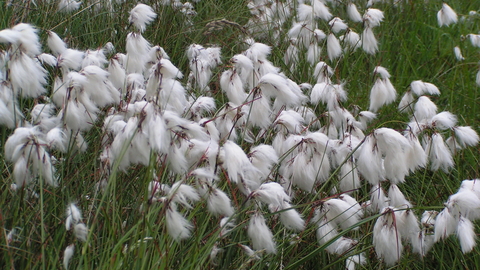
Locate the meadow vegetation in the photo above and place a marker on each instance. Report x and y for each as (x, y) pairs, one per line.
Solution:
(117, 161)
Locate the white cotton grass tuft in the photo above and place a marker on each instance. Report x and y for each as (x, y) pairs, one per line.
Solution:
(291, 54)
(472, 185)
(406, 102)
(353, 13)
(285, 91)
(201, 106)
(387, 237)
(352, 261)
(299, 37)
(351, 40)
(326, 231)
(290, 218)
(357, 208)
(397, 199)
(9, 36)
(9, 107)
(342, 245)
(458, 53)
(446, 16)
(68, 6)
(69, 60)
(304, 12)
(47, 59)
(445, 225)
(444, 120)
(319, 35)
(369, 161)
(409, 227)
(21, 173)
(330, 94)
(164, 89)
(226, 224)
(81, 232)
(392, 154)
(424, 108)
(334, 49)
(243, 66)
(366, 117)
(231, 83)
(341, 213)
(416, 157)
(321, 10)
(94, 58)
(260, 110)
(313, 53)
(373, 17)
(323, 73)
(67, 255)
(464, 203)
(383, 72)
(260, 235)
(55, 43)
(141, 15)
(466, 136)
(378, 199)
(42, 115)
(474, 39)
(74, 216)
(263, 157)
(238, 166)
(137, 53)
(183, 194)
(98, 86)
(466, 234)
(202, 61)
(420, 88)
(178, 226)
(214, 253)
(27, 146)
(250, 252)
(117, 74)
(289, 121)
(369, 42)
(478, 78)
(349, 178)
(308, 166)
(219, 204)
(27, 76)
(271, 193)
(383, 92)
(337, 25)
(427, 234)
(439, 155)
(28, 41)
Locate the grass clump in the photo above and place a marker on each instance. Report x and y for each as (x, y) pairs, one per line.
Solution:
(238, 135)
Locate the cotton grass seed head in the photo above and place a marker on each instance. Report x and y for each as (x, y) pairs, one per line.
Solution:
(141, 15)
(446, 16)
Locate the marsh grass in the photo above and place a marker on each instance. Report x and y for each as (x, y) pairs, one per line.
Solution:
(126, 232)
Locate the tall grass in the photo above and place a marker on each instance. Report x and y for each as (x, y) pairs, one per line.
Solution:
(126, 231)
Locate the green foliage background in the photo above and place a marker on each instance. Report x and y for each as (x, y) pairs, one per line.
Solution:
(125, 232)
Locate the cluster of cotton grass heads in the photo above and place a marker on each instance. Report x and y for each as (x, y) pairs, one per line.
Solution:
(149, 116)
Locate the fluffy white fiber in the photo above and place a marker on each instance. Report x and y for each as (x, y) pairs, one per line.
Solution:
(141, 15)
(260, 235)
(446, 16)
